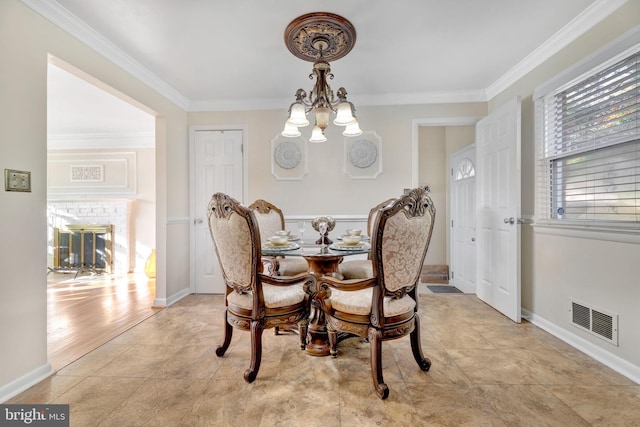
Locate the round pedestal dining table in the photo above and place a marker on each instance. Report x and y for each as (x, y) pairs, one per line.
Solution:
(323, 260)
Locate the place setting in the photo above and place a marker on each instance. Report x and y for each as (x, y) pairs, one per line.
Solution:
(352, 241)
(283, 240)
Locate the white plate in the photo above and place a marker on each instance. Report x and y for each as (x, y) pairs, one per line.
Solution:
(343, 247)
(287, 247)
(364, 238)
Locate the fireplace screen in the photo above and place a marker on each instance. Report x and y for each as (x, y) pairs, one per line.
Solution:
(82, 248)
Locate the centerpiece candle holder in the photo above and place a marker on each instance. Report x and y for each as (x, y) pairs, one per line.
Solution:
(323, 225)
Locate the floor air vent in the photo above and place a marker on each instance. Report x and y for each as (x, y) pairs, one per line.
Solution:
(595, 321)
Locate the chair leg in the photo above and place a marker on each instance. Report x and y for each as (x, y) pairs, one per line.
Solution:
(375, 343)
(416, 348)
(257, 326)
(228, 333)
(303, 327)
(333, 341)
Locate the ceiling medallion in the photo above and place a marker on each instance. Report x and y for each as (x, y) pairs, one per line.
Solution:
(320, 35)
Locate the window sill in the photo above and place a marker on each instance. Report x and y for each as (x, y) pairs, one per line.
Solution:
(607, 232)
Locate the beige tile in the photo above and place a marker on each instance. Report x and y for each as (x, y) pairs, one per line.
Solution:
(298, 366)
(196, 362)
(460, 337)
(226, 402)
(603, 405)
(46, 391)
(138, 361)
(490, 367)
(443, 369)
(95, 360)
(93, 399)
(529, 405)
(605, 374)
(360, 406)
(157, 402)
(354, 360)
(552, 367)
(486, 370)
(294, 403)
(452, 405)
(513, 336)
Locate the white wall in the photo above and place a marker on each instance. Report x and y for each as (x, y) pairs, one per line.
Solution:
(326, 190)
(555, 268)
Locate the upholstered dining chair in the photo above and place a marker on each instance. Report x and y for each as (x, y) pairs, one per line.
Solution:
(385, 306)
(254, 301)
(363, 268)
(271, 219)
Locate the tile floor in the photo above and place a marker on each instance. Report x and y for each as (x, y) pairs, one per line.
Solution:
(486, 371)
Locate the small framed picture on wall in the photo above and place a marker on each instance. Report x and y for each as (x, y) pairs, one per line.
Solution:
(288, 158)
(363, 156)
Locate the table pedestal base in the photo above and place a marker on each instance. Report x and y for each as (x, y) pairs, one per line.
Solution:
(317, 336)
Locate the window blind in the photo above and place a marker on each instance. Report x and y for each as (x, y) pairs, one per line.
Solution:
(589, 159)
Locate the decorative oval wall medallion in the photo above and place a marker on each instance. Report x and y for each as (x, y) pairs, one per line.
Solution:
(363, 153)
(288, 155)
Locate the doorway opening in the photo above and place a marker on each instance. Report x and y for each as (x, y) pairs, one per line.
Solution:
(100, 172)
(433, 143)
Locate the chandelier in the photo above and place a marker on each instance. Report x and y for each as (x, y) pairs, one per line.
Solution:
(320, 37)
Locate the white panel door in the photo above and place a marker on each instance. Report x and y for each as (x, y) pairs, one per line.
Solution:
(217, 168)
(463, 220)
(498, 209)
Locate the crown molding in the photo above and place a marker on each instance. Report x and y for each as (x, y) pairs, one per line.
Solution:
(582, 23)
(101, 141)
(61, 17)
(58, 15)
(239, 104)
(453, 97)
(360, 100)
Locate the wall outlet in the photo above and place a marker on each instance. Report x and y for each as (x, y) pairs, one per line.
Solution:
(15, 180)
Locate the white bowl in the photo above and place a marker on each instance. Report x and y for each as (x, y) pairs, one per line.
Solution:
(351, 240)
(279, 240)
(354, 232)
(283, 233)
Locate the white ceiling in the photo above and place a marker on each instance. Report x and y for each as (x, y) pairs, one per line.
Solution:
(229, 55)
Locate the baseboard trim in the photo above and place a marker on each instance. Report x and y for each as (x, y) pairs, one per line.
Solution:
(165, 302)
(609, 359)
(24, 382)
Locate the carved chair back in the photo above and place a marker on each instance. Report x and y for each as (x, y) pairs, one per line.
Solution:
(401, 237)
(270, 218)
(373, 215)
(236, 238)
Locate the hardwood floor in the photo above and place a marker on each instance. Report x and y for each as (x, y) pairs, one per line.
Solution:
(88, 311)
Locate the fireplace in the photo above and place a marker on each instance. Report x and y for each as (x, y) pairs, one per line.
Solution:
(78, 248)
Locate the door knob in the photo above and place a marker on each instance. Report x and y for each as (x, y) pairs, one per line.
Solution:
(197, 221)
(473, 239)
(511, 220)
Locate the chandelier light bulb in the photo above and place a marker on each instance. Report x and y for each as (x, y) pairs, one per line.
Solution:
(317, 135)
(298, 116)
(344, 116)
(290, 131)
(352, 130)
